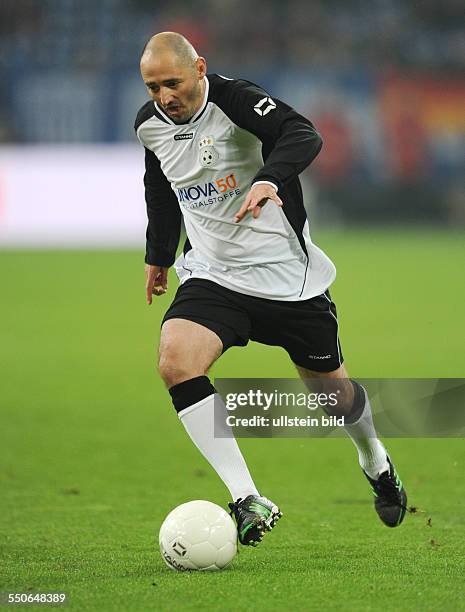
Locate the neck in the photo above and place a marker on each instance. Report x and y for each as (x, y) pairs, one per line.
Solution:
(201, 97)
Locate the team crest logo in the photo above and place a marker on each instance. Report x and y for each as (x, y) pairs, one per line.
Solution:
(265, 105)
(208, 155)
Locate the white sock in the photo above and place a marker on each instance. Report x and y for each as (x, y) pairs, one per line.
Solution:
(372, 455)
(223, 454)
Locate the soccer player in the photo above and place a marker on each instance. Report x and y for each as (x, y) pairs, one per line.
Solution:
(225, 156)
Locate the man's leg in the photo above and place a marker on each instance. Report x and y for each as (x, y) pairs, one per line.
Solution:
(354, 405)
(187, 350)
(203, 321)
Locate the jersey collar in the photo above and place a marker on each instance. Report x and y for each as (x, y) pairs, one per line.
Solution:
(198, 114)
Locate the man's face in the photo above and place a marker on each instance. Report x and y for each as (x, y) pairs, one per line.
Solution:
(176, 89)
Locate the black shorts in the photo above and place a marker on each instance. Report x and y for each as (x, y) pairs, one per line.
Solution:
(307, 330)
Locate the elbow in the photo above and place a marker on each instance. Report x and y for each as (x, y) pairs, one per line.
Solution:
(314, 140)
(316, 146)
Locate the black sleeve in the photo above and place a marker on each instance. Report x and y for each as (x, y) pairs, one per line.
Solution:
(164, 215)
(290, 141)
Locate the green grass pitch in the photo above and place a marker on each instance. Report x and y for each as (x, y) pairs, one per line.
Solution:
(93, 457)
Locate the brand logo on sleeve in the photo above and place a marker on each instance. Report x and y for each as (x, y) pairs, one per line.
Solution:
(184, 136)
(265, 105)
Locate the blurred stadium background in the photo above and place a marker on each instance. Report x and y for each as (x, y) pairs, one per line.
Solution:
(383, 82)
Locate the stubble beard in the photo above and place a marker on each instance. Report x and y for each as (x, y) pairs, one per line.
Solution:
(193, 103)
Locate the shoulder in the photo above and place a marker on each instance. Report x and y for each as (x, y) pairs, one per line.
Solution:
(223, 88)
(144, 113)
(240, 99)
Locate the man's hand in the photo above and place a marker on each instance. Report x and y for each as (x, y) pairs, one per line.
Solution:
(157, 281)
(256, 199)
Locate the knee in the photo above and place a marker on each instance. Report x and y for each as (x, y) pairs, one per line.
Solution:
(173, 368)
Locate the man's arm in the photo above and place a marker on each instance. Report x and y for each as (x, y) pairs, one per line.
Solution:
(290, 141)
(164, 215)
(163, 229)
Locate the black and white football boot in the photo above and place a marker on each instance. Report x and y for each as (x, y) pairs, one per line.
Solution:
(390, 496)
(254, 516)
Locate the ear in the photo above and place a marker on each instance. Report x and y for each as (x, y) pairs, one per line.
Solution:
(201, 66)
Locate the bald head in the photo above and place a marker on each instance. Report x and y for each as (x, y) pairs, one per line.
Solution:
(174, 75)
(170, 44)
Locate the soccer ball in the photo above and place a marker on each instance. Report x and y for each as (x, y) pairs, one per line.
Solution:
(198, 535)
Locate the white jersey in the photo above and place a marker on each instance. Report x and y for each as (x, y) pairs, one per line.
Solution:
(204, 169)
